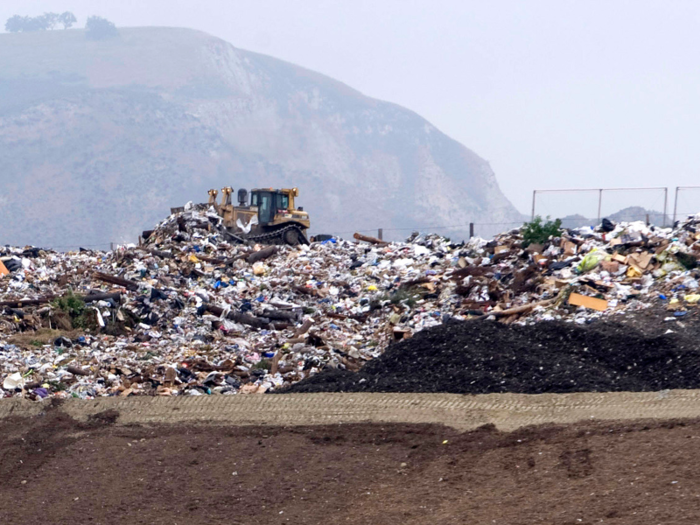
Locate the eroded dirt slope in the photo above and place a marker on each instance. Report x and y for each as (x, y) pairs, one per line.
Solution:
(56, 470)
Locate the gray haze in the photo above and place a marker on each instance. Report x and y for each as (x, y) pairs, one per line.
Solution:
(552, 93)
(106, 135)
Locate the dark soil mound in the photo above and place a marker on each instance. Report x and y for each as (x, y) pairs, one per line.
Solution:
(486, 357)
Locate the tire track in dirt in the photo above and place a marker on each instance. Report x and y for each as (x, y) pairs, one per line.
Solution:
(463, 412)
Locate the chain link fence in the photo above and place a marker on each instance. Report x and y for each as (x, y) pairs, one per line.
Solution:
(686, 202)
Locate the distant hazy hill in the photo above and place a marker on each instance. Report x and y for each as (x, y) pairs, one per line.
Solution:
(630, 214)
(637, 213)
(99, 139)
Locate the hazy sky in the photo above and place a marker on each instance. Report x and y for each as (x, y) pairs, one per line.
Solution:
(553, 93)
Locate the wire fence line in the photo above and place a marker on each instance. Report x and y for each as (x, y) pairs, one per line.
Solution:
(473, 227)
(656, 219)
(70, 246)
(626, 199)
(594, 198)
(79, 245)
(425, 229)
(465, 226)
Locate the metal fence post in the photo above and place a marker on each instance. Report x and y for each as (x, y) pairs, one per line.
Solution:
(675, 205)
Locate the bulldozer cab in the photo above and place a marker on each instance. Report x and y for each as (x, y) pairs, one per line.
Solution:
(273, 203)
(269, 204)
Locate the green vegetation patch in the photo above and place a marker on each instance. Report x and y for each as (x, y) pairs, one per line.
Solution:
(537, 232)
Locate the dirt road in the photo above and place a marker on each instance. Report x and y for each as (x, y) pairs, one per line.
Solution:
(506, 411)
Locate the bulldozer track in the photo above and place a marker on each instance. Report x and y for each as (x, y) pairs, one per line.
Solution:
(277, 235)
(463, 412)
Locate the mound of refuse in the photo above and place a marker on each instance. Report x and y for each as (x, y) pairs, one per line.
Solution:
(480, 357)
(190, 311)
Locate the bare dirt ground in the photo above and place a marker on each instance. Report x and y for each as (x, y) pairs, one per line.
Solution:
(57, 470)
(462, 412)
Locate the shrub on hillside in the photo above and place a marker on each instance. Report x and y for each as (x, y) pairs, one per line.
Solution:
(535, 232)
(98, 28)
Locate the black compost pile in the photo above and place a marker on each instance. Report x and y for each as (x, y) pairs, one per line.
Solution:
(479, 357)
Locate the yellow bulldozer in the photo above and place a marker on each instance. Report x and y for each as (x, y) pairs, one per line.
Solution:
(270, 217)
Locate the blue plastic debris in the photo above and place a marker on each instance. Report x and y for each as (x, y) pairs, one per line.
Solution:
(41, 392)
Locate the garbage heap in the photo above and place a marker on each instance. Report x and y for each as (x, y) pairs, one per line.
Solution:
(191, 312)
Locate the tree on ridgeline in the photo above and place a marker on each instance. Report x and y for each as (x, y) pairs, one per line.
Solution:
(48, 20)
(98, 28)
(15, 24)
(67, 19)
(28, 24)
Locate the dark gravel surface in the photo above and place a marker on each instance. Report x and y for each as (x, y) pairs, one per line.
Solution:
(479, 357)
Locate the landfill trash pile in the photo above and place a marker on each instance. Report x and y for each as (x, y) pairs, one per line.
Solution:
(192, 312)
(549, 357)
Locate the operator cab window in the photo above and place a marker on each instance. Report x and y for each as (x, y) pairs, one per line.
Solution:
(284, 201)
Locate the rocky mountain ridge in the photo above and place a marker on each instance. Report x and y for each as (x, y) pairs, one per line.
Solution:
(98, 139)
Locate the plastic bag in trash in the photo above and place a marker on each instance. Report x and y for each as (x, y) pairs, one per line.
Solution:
(591, 260)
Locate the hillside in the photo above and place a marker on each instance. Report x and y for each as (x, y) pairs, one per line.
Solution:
(99, 138)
